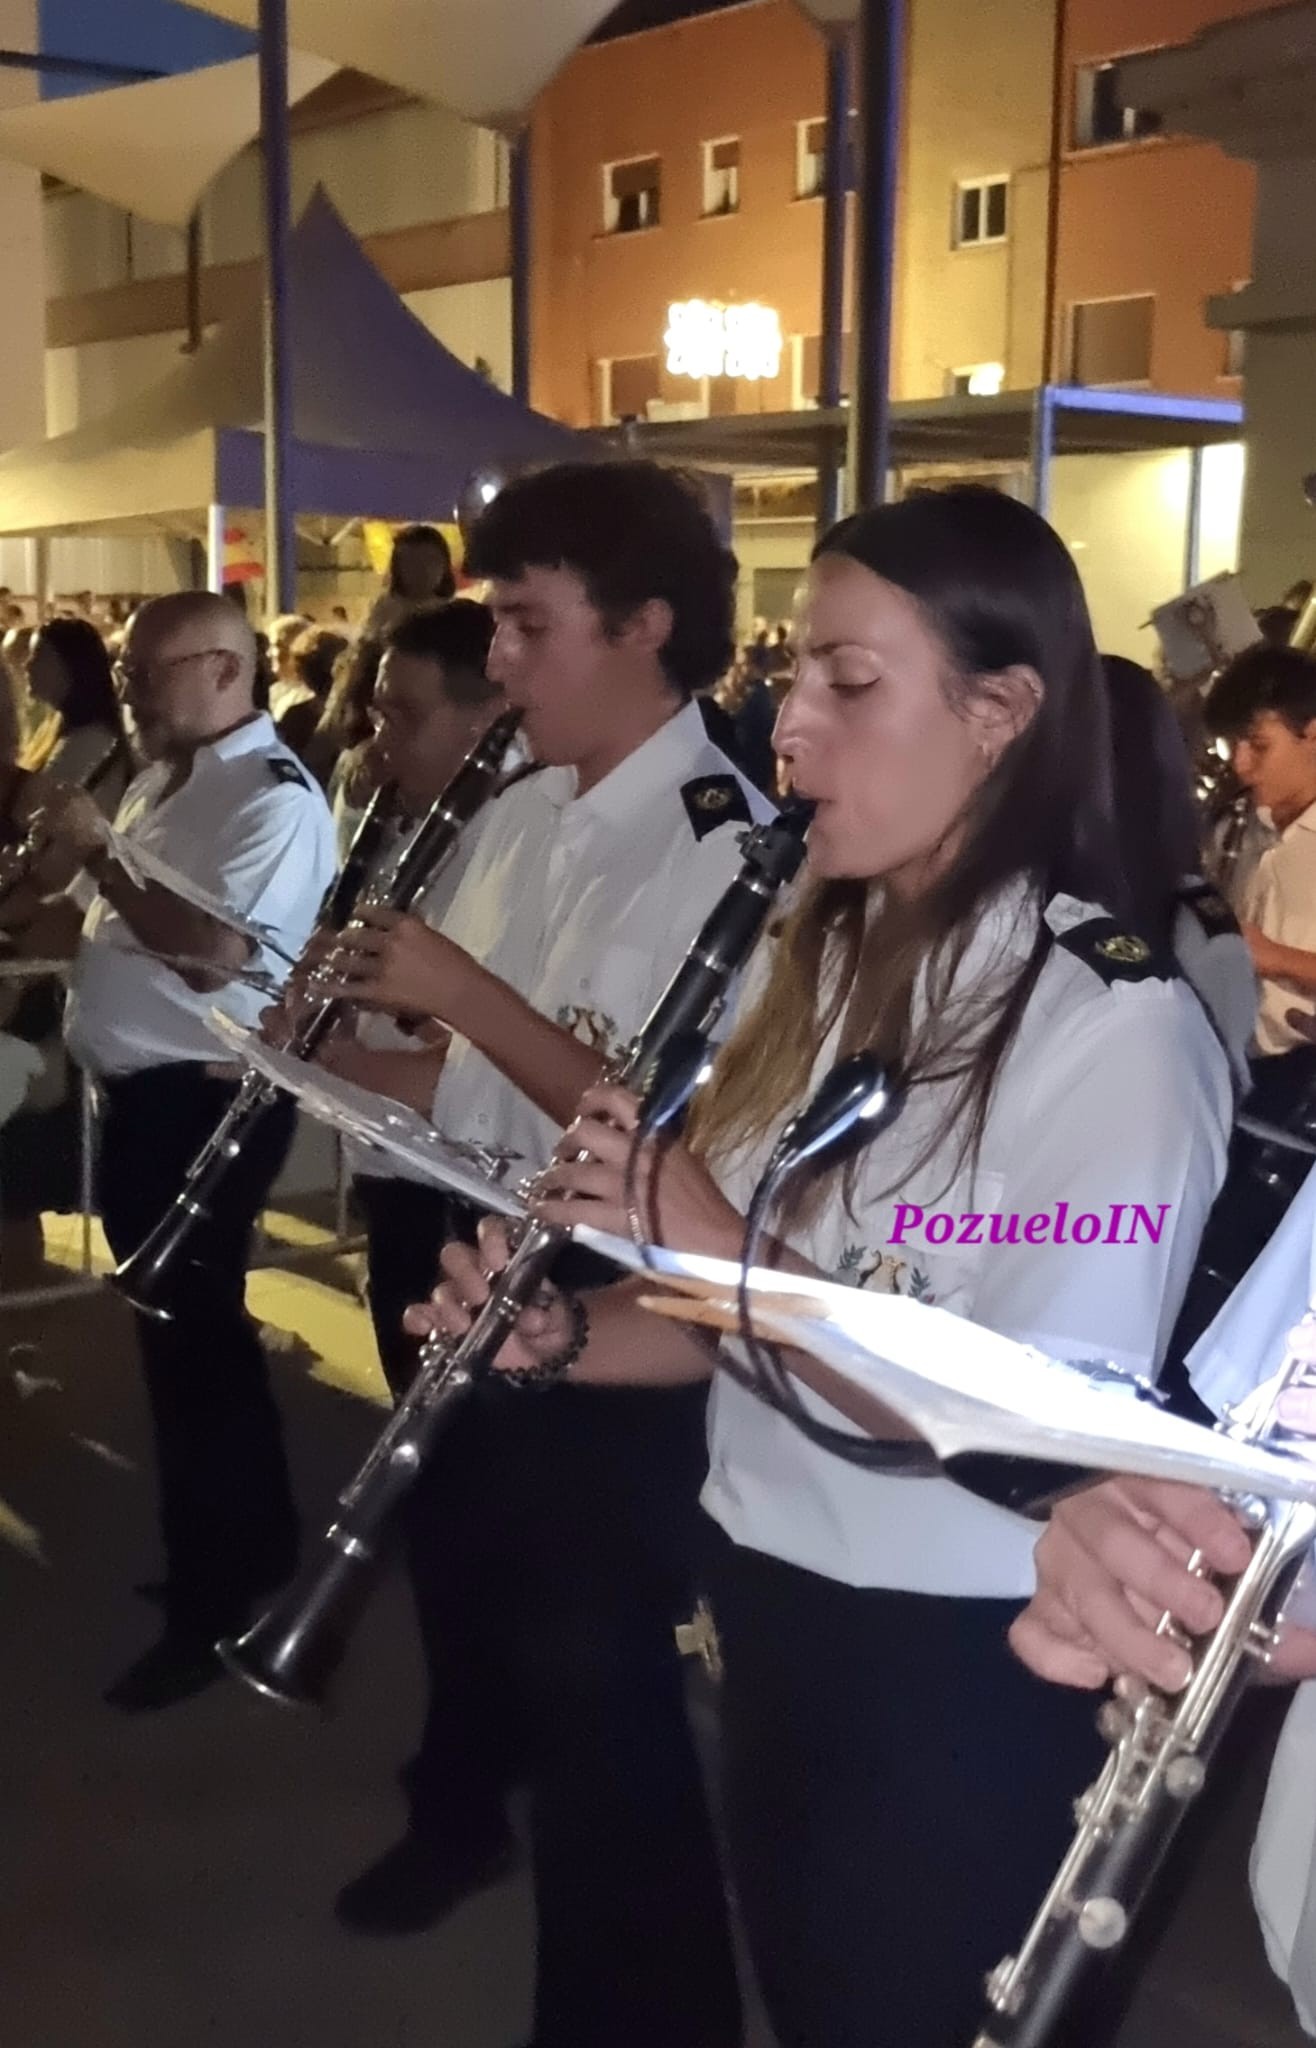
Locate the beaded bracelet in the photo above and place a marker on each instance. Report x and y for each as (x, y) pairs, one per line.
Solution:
(550, 1372)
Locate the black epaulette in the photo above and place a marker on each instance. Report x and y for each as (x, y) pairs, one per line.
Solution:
(1115, 954)
(713, 800)
(1208, 906)
(284, 770)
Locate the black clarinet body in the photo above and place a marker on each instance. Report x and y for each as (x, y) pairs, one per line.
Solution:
(292, 1653)
(1161, 1748)
(144, 1278)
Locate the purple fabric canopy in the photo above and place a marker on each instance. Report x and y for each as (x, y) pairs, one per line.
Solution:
(388, 423)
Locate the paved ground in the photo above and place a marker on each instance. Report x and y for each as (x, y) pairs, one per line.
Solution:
(167, 1881)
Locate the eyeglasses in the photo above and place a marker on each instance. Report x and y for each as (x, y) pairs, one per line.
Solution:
(129, 672)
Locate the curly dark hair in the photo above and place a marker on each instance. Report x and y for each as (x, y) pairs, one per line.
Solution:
(632, 532)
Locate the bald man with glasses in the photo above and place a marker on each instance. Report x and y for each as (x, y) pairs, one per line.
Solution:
(225, 804)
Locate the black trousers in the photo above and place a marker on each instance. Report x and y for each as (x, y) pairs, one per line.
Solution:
(459, 1778)
(227, 1515)
(552, 1543)
(898, 1797)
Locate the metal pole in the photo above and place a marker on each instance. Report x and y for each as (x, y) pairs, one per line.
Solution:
(881, 65)
(87, 1164)
(1044, 437)
(1192, 539)
(76, 67)
(1055, 162)
(192, 282)
(522, 226)
(215, 524)
(831, 348)
(280, 530)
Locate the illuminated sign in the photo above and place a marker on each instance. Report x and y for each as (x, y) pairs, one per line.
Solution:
(984, 380)
(705, 339)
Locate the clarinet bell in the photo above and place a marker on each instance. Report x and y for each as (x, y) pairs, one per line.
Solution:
(138, 1279)
(292, 1654)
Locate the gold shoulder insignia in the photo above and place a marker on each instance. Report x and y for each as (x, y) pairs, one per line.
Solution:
(1114, 954)
(712, 801)
(1127, 952)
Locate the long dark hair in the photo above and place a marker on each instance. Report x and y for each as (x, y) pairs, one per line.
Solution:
(1001, 591)
(91, 698)
(423, 537)
(1159, 830)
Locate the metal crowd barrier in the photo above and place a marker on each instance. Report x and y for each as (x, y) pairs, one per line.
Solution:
(316, 1166)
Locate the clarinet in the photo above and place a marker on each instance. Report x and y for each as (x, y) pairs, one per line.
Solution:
(293, 1651)
(1161, 1747)
(143, 1277)
(18, 856)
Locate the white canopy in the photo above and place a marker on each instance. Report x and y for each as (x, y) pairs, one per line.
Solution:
(388, 423)
(154, 148)
(487, 60)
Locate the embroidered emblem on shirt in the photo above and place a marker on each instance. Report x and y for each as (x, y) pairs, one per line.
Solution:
(593, 1028)
(860, 1266)
(714, 800)
(284, 770)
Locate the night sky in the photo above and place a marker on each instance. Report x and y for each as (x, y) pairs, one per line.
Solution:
(164, 35)
(633, 15)
(150, 35)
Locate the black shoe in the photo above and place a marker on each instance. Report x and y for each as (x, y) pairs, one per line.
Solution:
(173, 1669)
(154, 1590)
(417, 1882)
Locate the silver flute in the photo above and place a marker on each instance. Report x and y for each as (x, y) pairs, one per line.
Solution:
(1161, 1747)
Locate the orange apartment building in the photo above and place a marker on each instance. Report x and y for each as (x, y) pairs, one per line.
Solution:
(673, 165)
(1150, 225)
(684, 162)
(1043, 231)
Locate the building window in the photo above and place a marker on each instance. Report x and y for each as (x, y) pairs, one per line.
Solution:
(811, 157)
(982, 211)
(978, 380)
(808, 370)
(631, 194)
(1111, 341)
(631, 384)
(721, 177)
(1099, 118)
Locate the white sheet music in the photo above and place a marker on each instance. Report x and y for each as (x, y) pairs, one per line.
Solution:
(142, 866)
(377, 1120)
(968, 1389)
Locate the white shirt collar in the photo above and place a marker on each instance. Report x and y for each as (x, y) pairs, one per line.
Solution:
(661, 762)
(1304, 822)
(255, 736)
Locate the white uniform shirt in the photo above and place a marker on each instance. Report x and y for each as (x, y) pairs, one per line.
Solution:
(1243, 1346)
(251, 828)
(1280, 897)
(587, 905)
(382, 1033)
(1115, 1092)
(1214, 958)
